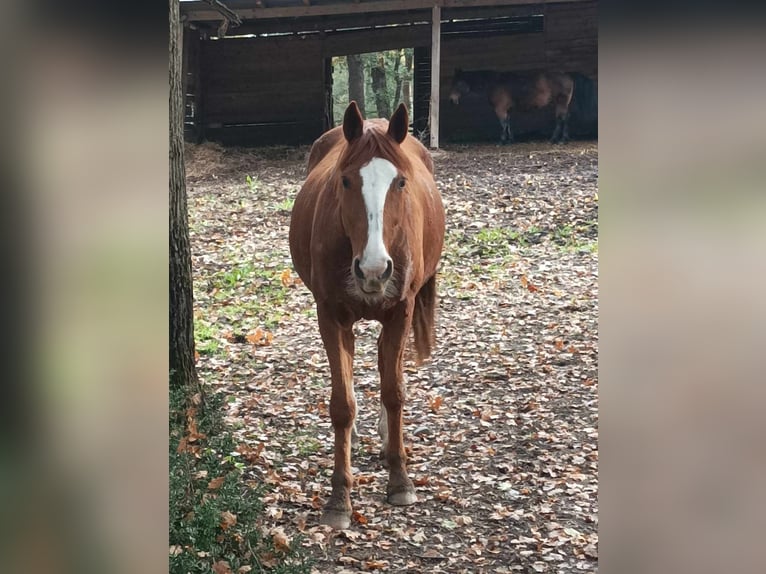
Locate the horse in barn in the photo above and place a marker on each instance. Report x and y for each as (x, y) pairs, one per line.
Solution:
(366, 236)
(525, 91)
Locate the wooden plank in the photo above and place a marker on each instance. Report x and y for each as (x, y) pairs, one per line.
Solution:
(331, 23)
(253, 106)
(357, 42)
(492, 12)
(287, 133)
(199, 12)
(436, 23)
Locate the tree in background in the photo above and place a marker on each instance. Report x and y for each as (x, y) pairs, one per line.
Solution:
(393, 82)
(398, 80)
(356, 79)
(380, 87)
(407, 79)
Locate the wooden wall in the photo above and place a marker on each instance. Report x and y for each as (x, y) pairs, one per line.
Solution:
(568, 43)
(261, 91)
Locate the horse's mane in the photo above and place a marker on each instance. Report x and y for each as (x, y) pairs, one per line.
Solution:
(374, 142)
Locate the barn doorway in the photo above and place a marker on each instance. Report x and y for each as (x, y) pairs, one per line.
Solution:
(381, 80)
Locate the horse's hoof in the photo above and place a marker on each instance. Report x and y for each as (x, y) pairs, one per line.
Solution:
(402, 496)
(337, 519)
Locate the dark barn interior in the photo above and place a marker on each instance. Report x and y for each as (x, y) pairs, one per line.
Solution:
(268, 80)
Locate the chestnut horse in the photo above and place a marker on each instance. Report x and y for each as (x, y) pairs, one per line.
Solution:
(523, 91)
(366, 235)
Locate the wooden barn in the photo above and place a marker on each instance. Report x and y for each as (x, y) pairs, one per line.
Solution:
(268, 80)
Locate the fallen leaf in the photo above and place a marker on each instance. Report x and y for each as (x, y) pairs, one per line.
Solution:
(221, 567)
(435, 403)
(280, 539)
(216, 483)
(228, 520)
(375, 564)
(359, 517)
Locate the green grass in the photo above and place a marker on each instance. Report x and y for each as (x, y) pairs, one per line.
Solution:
(286, 205)
(576, 238)
(253, 183)
(196, 533)
(206, 339)
(245, 296)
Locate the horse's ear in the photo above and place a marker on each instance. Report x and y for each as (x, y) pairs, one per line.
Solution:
(399, 124)
(352, 122)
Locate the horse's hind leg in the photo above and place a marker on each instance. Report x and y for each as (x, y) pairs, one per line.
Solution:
(338, 341)
(393, 338)
(556, 137)
(561, 133)
(506, 134)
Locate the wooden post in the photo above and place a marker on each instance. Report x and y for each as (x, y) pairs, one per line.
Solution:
(436, 35)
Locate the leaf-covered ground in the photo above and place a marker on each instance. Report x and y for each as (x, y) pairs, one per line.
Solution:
(501, 425)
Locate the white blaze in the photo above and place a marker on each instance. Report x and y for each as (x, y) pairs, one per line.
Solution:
(377, 176)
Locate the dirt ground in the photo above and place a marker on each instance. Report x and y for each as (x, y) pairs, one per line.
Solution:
(501, 424)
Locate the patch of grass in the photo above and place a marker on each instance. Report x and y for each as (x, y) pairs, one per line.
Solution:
(206, 339)
(214, 516)
(306, 444)
(253, 183)
(248, 295)
(497, 241)
(286, 205)
(580, 238)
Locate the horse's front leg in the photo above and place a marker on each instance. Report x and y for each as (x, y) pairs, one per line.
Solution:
(391, 344)
(338, 339)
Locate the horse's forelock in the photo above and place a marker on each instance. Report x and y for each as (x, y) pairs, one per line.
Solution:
(375, 143)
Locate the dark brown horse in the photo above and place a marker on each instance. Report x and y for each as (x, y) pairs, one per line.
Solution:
(521, 91)
(366, 236)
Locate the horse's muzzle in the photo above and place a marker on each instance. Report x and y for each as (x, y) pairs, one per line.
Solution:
(373, 279)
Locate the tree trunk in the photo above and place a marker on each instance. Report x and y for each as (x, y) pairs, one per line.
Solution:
(183, 372)
(356, 80)
(380, 90)
(406, 94)
(398, 78)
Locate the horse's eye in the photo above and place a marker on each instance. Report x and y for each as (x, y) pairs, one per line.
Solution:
(346, 182)
(402, 182)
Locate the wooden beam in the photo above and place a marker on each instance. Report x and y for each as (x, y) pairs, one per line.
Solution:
(377, 40)
(436, 41)
(198, 11)
(331, 23)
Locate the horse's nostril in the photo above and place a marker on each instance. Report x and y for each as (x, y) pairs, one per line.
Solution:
(388, 271)
(358, 269)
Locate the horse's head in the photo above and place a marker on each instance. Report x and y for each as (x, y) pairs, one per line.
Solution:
(372, 182)
(459, 87)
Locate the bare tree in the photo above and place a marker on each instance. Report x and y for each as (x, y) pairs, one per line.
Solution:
(183, 372)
